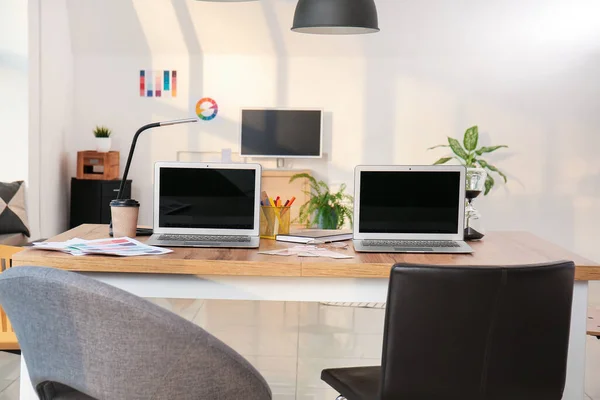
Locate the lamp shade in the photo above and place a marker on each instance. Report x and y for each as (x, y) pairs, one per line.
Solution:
(336, 17)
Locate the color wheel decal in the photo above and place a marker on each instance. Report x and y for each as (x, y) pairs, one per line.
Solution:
(207, 109)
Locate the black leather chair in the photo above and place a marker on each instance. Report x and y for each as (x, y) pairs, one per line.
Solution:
(469, 333)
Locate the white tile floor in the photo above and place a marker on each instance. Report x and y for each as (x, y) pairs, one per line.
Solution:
(290, 343)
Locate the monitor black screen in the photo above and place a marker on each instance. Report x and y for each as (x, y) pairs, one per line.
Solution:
(207, 198)
(409, 202)
(281, 133)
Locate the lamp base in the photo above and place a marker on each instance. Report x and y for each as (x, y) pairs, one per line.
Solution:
(144, 232)
(472, 234)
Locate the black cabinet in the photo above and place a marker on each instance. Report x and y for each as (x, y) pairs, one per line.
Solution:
(90, 200)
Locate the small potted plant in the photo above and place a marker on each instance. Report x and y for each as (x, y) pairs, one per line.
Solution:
(325, 209)
(103, 141)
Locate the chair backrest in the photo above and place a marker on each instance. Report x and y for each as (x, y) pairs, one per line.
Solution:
(477, 333)
(77, 333)
(6, 253)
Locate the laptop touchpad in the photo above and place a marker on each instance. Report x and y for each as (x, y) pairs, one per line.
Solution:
(414, 249)
(203, 244)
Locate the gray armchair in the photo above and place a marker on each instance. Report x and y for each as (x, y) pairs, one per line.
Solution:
(85, 340)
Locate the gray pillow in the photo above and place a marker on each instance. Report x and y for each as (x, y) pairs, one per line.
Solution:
(13, 218)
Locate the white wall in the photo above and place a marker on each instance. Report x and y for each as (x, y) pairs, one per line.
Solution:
(14, 90)
(526, 73)
(51, 115)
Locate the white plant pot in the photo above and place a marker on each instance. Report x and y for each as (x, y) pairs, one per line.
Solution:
(103, 145)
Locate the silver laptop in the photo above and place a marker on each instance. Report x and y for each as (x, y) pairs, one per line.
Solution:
(206, 205)
(409, 209)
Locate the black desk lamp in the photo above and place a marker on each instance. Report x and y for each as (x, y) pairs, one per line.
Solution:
(142, 231)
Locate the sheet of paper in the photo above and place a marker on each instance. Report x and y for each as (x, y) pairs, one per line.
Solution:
(306, 251)
(307, 254)
(332, 254)
(124, 247)
(282, 252)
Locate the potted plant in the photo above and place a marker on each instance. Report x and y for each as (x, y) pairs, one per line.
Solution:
(478, 176)
(470, 156)
(325, 209)
(103, 141)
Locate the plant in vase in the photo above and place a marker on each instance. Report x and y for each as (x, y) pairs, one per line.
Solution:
(326, 209)
(103, 140)
(479, 176)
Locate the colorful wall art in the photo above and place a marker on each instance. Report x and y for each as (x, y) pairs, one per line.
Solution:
(207, 109)
(158, 83)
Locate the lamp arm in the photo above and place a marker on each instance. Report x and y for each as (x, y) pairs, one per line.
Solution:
(130, 157)
(134, 142)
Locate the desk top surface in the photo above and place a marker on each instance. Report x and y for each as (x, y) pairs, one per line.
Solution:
(497, 248)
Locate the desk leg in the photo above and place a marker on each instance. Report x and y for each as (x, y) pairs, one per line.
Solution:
(26, 389)
(575, 384)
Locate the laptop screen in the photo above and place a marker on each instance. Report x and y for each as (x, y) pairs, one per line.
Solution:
(206, 198)
(409, 202)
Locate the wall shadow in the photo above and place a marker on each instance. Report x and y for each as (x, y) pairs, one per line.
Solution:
(379, 116)
(282, 97)
(196, 60)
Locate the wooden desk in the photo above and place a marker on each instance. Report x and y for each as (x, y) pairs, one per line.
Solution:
(247, 275)
(498, 248)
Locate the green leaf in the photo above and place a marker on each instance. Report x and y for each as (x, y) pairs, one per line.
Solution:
(324, 186)
(442, 160)
(489, 184)
(439, 145)
(502, 175)
(340, 192)
(485, 164)
(471, 138)
(457, 148)
(302, 216)
(470, 161)
(312, 181)
(303, 175)
(489, 149)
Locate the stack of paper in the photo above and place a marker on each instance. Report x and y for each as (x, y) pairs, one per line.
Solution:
(124, 246)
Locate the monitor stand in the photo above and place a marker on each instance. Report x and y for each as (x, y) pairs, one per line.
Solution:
(280, 163)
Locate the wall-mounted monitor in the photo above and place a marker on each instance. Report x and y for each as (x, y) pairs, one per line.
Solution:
(281, 133)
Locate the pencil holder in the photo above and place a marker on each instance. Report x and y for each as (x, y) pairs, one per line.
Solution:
(274, 221)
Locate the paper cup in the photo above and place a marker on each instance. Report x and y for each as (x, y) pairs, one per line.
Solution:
(124, 217)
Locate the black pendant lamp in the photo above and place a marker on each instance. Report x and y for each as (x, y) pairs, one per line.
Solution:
(336, 17)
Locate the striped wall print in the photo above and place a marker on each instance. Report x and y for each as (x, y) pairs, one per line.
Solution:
(158, 83)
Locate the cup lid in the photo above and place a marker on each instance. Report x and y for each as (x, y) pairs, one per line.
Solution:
(124, 203)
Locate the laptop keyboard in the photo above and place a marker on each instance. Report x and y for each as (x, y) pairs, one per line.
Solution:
(410, 243)
(204, 238)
